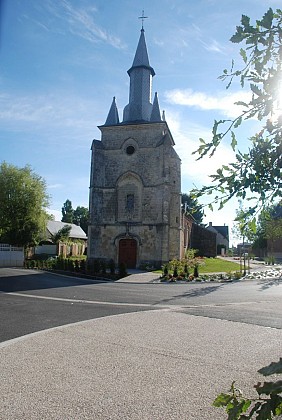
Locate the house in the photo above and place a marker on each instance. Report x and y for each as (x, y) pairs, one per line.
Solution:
(76, 244)
(244, 248)
(204, 240)
(222, 238)
(198, 237)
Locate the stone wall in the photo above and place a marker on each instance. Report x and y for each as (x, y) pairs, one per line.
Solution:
(135, 193)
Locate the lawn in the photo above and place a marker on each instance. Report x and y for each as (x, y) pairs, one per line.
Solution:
(218, 265)
(215, 265)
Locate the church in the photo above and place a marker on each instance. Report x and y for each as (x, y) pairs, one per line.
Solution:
(135, 179)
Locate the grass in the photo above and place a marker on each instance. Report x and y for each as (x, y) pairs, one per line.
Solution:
(217, 265)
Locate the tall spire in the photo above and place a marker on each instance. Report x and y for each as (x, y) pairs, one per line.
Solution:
(155, 115)
(141, 73)
(112, 118)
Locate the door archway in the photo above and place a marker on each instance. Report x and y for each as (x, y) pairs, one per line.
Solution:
(128, 252)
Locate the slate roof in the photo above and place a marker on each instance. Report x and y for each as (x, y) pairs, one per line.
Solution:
(223, 230)
(76, 232)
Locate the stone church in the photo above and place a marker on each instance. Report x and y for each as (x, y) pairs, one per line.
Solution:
(135, 180)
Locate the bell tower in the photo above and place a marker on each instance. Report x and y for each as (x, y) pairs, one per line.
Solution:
(135, 187)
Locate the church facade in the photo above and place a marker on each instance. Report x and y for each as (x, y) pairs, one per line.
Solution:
(135, 180)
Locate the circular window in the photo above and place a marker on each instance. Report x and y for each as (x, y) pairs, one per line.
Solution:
(130, 150)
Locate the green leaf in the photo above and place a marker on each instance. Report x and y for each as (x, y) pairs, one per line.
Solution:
(253, 225)
(267, 19)
(268, 388)
(238, 122)
(238, 36)
(245, 20)
(255, 89)
(274, 367)
(241, 103)
(233, 141)
(222, 400)
(265, 412)
(243, 55)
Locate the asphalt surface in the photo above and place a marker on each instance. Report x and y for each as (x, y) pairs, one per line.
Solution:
(166, 355)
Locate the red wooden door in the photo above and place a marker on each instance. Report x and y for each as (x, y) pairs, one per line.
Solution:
(128, 252)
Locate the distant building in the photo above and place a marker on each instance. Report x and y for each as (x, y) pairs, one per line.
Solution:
(76, 244)
(244, 248)
(53, 228)
(198, 237)
(204, 240)
(222, 237)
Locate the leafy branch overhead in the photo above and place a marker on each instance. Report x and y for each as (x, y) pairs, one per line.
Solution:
(267, 405)
(256, 173)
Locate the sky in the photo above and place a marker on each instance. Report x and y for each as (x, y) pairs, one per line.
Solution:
(62, 61)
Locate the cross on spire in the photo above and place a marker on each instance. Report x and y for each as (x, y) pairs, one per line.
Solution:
(143, 17)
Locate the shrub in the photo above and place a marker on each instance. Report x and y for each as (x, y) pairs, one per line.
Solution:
(83, 266)
(103, 267)
(165, 270)
(96, 266)
(122, 270)
(77, 266)
(112, 266)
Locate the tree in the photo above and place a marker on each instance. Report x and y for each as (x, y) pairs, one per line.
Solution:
(81, 217)
(192, 206)
(67, 212)
(244, 226)
(23, 204)
(62, 234)
(256, 174)
(269, 226)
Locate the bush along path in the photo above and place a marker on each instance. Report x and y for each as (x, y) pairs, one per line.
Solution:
(97, 269)
(198, 269)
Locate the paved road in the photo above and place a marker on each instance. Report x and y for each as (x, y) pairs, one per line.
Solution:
(32, 300)
(165, 354)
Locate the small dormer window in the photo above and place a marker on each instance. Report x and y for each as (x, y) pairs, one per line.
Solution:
(130, 150)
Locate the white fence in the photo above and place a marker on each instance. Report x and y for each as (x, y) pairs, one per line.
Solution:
(11, 256)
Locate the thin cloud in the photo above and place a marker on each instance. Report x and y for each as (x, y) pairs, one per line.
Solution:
(56, 110)
(55, 186)
(225, 103)
(81, 22)
(213, 46)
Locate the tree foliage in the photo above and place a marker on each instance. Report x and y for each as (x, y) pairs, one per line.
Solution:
(269, 226)
(244, 225)
(267, 405)
(67, 212)
(62, 235)
(23, 204)
(78, 216)
(81, 217)
(255, 174)
(191, 205)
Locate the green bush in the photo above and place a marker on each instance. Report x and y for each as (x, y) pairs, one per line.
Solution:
(96, 266)
(122, 270)
(112, 266)
(103, 267)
